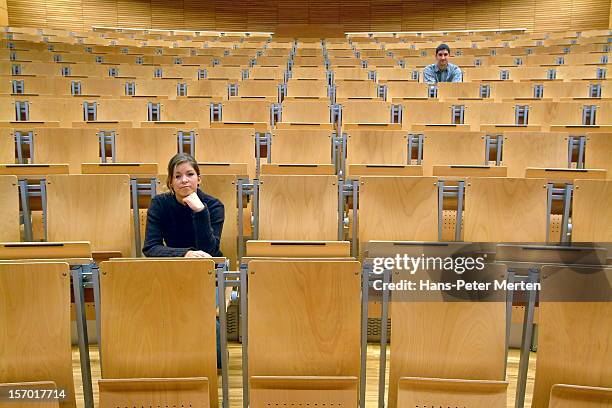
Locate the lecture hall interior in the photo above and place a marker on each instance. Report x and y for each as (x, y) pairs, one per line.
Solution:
(305, 204)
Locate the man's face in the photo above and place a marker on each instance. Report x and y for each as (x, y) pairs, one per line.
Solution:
(442, 58)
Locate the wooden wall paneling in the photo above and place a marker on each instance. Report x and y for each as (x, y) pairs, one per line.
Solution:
(587, 14)
(517, 13)
(417, 15)
(293, 12)
(355, 15)
(483, 14)
(262, 15)
(324, 11)
(230, 15)
(450, 14)
(385, 15)
(552, 15)
(198, 17)
(167, 15)
(22, 14)
(132, 13)
(65, 14)
(99, 12)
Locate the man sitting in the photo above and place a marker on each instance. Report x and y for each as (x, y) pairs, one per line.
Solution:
(442, 70)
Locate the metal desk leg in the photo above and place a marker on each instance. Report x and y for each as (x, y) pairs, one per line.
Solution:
(223, 334)
(81, 322)
(383, 339)
(245, 337)
(521, 385)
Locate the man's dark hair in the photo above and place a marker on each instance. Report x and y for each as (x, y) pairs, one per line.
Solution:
(442, 47)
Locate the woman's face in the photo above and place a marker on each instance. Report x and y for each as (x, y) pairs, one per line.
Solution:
(185, 180)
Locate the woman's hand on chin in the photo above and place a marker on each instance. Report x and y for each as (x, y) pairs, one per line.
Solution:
(194, 202)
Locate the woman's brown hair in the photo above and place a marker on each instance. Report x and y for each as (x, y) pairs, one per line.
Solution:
(177, 160)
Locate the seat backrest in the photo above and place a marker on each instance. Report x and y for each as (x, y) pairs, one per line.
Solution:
(505, 210)
(145, 145)
(310, 316)
(598, 151)
(452, 148)
(233, 145)
(377, 147)
(246, 111)
(308, 146)
(592, 211)
(314, 88)
(534, 149)
(398, 209)
(71, 146)
(306, 111)
(298, 207)
(366, 112)
(575, 308)
(568, 396)
(84, 207)
(31, 296)
(9, 209)
(465, 338)
(7, 146)
(158, 320)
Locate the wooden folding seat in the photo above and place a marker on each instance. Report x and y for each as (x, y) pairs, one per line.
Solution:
(340, 53)
(41, 112)
(145, 146)
(433, 115)
(376, 147)
(307, 72)
(503, 116)
(9, 210)
(577, 73)
(398, 209)
(505, 210)
(577, 396)
(345, 62)
(269, 61)
(306, 146)
(33, 295)
(376, 62)
(233, 145)
(65, 146)
(306, 88)
(235, 61)
(406, 90)
(35, 86)
(354, 74)
(355, 89)
(152, 88)
(93, 87)
(598, 151)
(572, 114)
(304, 217)
(184, 112)
(366, 112)
(453, 148)
(308, 61)
(212, 89)
(585, 59)
(522, 73)
(384, 74)
(227, 73)
(482, 74)
(305, 112)
(307, 372)
(140, 366)
(574, 91)
(71, 201)
(456, 91)
(258, 89)
(591, 214)
(534, 149)
(574, 308)
(276, 73)
(246, 112)
(7, 147)
(435, 371)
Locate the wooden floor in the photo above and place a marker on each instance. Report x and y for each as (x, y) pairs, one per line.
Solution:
(235, 378)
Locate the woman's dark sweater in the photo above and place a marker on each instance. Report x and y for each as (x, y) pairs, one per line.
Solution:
(173, 228)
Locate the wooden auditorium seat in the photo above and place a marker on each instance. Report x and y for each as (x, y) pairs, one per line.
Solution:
(149, 355)
(234, 145)
(302, 146)
(592, 211)
(33, 295)
(9, 209)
